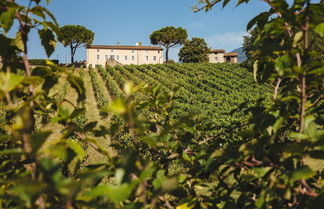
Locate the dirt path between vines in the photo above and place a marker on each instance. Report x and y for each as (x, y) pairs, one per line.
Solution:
(93, 114)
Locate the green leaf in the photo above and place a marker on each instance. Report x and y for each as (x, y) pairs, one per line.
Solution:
(260, 20)
(18, 41)
(225, 3)
(260, 172)
(260, 201)
(48, 41)
(118, 106)
(296, 135)
(9, 81)
(62, 114)
(89, 126)
(319, 29)
(129, 88)
(185, 206)
(77, 84)
(182, 178)
(46, 11)
(241, 2)
(27, 189)
(298, 37)
(186, 157)
(38, 139)
(160, 178)
(33, 80)
(277, 125)
(77, 148)
(319, 71)
(77, 112)
(37, 10)
(42, 72)
(53, 26)
(147, 173)
(116, 194)
(302, 173)
(150, 140)
(7, 19)
(283, 65)
(99, 147)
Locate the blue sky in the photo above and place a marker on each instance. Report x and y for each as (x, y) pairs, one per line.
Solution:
(130, 21)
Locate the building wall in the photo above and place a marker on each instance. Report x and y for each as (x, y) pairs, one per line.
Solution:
(231, 59)
(124, 56)
(216, 57)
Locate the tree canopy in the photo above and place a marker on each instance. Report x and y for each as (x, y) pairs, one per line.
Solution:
(75, 36)
(169, 37)
(194, 50)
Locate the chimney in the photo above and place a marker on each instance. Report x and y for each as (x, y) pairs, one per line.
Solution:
(139, 43)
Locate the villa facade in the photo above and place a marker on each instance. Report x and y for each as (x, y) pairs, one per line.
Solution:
(124, 55)
(219, 56)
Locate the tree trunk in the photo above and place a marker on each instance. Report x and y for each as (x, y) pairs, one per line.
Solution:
(166, 54)
(72, 54)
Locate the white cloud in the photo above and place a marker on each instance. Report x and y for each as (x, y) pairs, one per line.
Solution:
(227, 41)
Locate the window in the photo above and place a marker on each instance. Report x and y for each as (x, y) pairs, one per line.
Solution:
(112, 57)
(154, 58)
(216, 58)
(146, 51)
(133, 51)
(146, 57)
(133, 58)
(112, 50)
(107, 56)
(159, 51)
(98, 56)
(117, 57)
(125, 57)
(98, 50)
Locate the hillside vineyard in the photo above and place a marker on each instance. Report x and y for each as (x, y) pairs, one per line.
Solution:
(216, 93)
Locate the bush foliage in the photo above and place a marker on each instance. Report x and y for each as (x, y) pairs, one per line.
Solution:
(271, 166)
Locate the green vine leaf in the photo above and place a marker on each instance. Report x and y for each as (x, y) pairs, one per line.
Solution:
(18, 41)
(7, 19)
(48, 41)
(9, 81)
(302, 173)
(319, 29)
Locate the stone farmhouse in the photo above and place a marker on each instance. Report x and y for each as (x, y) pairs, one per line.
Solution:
(124, 55)
(219, 56)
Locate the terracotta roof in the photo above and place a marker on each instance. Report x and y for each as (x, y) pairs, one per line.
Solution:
(231, 54)
(216, 50)
(124, 47)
